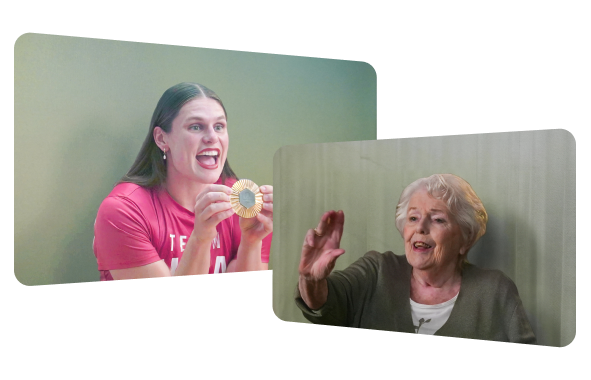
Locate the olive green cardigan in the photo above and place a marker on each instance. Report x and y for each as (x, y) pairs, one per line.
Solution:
(374, 293)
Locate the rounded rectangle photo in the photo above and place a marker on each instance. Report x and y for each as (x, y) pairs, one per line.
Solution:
(468, 236)
(137, 147)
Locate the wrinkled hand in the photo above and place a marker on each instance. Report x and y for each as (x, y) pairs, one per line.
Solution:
(212, 206)
(319, 253)
(257, 228)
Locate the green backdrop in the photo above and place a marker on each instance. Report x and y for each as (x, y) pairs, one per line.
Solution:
(82, 110)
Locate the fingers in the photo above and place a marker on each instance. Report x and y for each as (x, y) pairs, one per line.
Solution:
(267, 197)
(317, 267)
(336, 253)
(267, 189)
(266, 218)
(321, 246)
(320, 230)
(307, 256)
(329, 220)
(340, 217)
(330, 260)
(209, 189)
(217, 188)
(213, 199)
(268, 207)
(212, 203)
(339, 222)
(213, 207)
(309, 241)
(262, 224)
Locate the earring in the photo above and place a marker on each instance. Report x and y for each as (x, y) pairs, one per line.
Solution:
(164, 156)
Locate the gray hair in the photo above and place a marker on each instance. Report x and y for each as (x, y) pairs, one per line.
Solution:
(460, 198)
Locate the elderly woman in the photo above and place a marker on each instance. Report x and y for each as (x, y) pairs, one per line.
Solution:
(430, 290)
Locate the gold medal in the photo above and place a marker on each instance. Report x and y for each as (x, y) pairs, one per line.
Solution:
(246, 198)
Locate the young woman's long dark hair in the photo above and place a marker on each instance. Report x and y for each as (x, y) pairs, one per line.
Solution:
(149, 168)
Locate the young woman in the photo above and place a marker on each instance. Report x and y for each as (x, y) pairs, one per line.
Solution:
(171, 213)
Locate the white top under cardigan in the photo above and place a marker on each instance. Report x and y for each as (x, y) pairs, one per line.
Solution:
(427, 319)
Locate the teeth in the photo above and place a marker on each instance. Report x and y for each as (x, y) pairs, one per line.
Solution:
(209, 153)
(420, 244)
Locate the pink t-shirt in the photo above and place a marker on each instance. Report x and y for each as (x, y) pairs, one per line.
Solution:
(136, 226)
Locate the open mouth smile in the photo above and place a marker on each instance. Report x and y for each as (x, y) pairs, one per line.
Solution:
(421, 246)
(208, 158)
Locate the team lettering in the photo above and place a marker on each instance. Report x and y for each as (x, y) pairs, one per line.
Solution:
(220, 261)
(215, 243)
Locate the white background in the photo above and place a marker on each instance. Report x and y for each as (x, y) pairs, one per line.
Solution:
(425, 88)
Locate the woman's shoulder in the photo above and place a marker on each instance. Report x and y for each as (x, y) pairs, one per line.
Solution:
(493, 279)
(126, 195)
(129, 190)
(374, 268)
(485, 273)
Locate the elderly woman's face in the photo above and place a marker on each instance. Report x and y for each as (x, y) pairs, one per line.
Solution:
(432, 238)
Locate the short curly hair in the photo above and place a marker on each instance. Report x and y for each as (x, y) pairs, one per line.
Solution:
(460, 198)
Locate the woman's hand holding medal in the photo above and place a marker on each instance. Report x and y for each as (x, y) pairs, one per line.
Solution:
(211, 207)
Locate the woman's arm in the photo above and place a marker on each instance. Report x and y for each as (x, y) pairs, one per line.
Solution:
(518, 329)
(157, 269)
(248, 258)
(313, 292)
(319, 253)
(212, 206)
(195, 260)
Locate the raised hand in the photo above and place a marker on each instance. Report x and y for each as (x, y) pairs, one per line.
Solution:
(257, 228)
(212, 206)
(322, 247)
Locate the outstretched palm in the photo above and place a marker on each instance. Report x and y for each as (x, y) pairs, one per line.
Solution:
(319, 253)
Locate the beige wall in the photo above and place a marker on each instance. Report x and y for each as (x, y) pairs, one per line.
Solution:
(82, 109)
